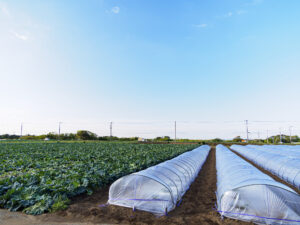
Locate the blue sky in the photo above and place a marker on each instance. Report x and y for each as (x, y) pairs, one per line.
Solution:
(143, 64)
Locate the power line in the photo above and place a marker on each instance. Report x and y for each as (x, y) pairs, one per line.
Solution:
(175, 131)
(59, 127)
(21, 129)
(110, 127)
(247, 131)
(280, 135)
(150, 127)
(290, 128)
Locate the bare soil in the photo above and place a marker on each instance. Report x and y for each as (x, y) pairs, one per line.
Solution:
(197, 207)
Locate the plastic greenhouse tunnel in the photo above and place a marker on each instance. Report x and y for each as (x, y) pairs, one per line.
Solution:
(275, 160)
(159, 188)
(293, 150)
(245, 193)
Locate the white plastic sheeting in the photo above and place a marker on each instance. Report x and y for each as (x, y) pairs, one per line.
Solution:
(159, 188)
(286, 150)
(245, 193)
(282, 161)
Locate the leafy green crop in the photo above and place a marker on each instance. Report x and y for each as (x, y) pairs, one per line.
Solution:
(42, 177)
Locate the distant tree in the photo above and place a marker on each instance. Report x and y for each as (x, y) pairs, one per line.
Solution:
(52, 136)
(217, 140)
(86, 135)
(237, 139)
(295, 139)
(103, 138)
(33, 137)
(165, 138)
(8, 136)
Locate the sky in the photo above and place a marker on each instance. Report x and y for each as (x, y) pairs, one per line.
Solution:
(209, 65)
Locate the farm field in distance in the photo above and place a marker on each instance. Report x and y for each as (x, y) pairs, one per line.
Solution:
(42, 177)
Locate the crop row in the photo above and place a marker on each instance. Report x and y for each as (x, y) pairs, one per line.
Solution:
(41, 177)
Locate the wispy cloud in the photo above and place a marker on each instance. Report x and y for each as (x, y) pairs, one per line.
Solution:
(203, 25)
(241, 12)
(4, 10)
(115, 10)
(254, 2)
(19, 36)
(238, 12)
(229, 14)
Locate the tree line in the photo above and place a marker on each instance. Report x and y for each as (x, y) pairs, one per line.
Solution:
(79, 135)
(88, 135)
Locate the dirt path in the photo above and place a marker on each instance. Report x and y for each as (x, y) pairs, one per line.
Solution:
(196, 207)
(17, 218)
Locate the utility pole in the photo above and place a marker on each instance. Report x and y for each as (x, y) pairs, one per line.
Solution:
(175, 131)
(280, 135)
(110, 127)
(59, 125)
(267, 136)
(290, 128)
(247, 131)
(21, 129)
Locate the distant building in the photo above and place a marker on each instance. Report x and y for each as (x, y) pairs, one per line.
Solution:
(47, 139)
(141, 139)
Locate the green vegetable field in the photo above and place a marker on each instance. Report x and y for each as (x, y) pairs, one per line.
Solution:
(42, 177)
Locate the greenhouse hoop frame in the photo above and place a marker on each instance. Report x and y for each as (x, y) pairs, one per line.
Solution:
(159, 188)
